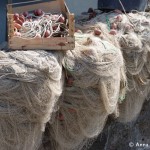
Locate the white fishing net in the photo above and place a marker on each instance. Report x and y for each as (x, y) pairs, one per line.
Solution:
(132, 31)
(94, 71)
(30, 85)
(135, 45)
(32, 92)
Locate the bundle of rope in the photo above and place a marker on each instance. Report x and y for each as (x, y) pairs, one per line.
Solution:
(38, 28)
(30, 85)
(40, 25)
(94, 75)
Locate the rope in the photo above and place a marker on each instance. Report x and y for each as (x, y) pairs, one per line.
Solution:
(41, 24)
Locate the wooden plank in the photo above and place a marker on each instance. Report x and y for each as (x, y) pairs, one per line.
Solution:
(49, 43)
(71, 25)
(9, 9)
(67, 9)
(41, 47)
(55, 40)
(10, 25)
(62, 6)
(52, 6)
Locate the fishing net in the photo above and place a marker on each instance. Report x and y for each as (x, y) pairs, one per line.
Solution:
(133, 34)
(135, 44)
(96, 80)
(30, 85)
(32, 92)
(94, 75)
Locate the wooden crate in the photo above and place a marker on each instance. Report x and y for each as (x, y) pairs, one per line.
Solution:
(52, 43)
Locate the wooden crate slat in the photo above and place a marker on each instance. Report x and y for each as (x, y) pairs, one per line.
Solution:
(41, 47)
(10, 25)
(62, 6)
(61, 43)
(71, 24)
(38, 41)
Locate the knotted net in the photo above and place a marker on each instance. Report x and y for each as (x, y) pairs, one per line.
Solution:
(30, 85)
(94, 75)
(133, 34)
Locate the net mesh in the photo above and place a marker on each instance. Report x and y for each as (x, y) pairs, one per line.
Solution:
(75, 92)
(133, 34)
(30, 85)
(94, 73)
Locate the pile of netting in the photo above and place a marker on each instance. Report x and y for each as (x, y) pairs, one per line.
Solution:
(132, 32)
(93, 88)
(31, 94)
(74, 92)
(135, 45)
(94, 74)
(30, 85)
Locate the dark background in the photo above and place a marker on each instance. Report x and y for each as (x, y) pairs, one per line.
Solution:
(129, 5)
